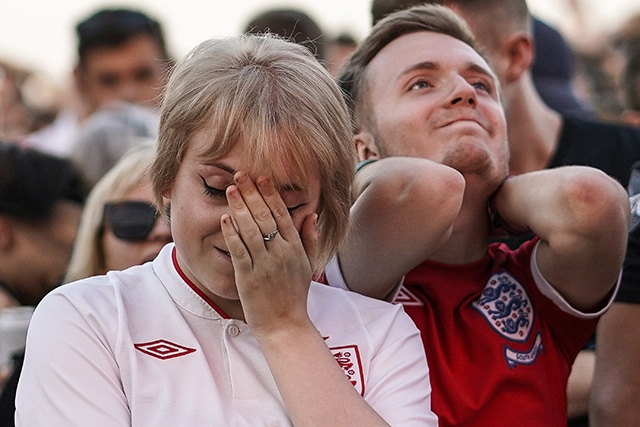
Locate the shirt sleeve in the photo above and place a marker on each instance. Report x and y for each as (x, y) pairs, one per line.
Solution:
(398, 385)
(70, 377)
(333, 277)
(550, 292)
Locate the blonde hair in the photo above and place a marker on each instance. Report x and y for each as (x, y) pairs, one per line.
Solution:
(284, 106)
(130, 171)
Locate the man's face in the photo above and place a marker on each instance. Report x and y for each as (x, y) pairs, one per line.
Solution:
(434, 97)
(132, 72)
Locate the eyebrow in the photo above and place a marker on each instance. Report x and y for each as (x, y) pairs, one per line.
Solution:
(432, 66)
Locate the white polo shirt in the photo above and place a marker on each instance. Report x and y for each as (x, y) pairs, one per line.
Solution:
(142, 347)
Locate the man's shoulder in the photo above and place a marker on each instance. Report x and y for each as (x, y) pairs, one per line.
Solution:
(610, 147)
(593, 128)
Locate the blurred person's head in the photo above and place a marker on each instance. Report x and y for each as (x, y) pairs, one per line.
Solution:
(338, 50)
(120, 226)
(41, 200)
(122, 55)
(553, 71)
(108, 134)
(293, 25)
(631, 84)
(28, 101)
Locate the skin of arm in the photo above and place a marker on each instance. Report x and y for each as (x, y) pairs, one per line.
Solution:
(404, 210)
(579, 384)
(582, 217)
(615, 395)
(273, 285)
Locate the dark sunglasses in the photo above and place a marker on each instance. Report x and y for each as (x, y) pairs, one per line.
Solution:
(130, 220)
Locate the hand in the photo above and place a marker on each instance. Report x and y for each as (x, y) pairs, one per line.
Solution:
(272, 277)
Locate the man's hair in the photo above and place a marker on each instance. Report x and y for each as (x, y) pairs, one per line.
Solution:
(382, 8)
(434, 18)
(292, 25)
(32, 182)
(512, 13)
(280, 102)
(113, 27)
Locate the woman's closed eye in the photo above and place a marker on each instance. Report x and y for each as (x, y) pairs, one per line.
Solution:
(292, 209)
(210, 191)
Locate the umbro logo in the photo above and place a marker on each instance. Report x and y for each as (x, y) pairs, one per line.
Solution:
(163, 349)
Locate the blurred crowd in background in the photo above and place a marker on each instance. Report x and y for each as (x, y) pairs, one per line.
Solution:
(603, 69)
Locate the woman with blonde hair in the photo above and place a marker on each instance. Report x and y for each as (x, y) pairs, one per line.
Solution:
(120, 226)
(226, 327)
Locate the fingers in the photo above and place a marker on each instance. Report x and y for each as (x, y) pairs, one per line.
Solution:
(277, 208)
(235, 245)
(258, 211)
(254, 201)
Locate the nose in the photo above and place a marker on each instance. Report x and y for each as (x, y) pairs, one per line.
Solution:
(129, 92)
(463, 93)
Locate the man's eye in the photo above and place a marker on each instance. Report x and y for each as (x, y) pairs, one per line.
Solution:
(482, 86)
(422, 84)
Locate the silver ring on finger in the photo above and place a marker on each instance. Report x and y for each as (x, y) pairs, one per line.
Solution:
(270, 236)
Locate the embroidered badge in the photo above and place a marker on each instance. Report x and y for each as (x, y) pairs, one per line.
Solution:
(163, 349)
(406, 297)
(505, 305)
(524, 357)
(348, 357)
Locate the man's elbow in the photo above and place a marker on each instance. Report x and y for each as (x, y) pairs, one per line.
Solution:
(599, 203)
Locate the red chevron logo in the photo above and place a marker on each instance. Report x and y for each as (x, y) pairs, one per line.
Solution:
(163, 349)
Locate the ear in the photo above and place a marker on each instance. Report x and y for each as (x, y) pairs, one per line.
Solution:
(365, 146)
(518, 54)
(166, 195)
(631, 117)
(6, 234)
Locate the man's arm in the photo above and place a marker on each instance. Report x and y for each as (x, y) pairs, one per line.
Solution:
(615, 395)
(582, 217)
(579, 384)
(404, 211)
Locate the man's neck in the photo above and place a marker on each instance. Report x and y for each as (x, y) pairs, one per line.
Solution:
(470, 235)
(533, 129)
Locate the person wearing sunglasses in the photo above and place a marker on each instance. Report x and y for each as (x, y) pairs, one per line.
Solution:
(226, 327)
(120, 224)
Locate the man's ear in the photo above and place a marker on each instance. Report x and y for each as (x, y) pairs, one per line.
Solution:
(518, 54)
(365, 146)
